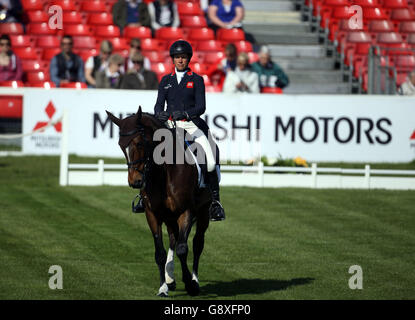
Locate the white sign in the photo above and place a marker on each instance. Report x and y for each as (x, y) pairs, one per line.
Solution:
(315, 127)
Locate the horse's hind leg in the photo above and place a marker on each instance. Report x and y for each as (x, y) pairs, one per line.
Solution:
(199, 241)
(185, 224)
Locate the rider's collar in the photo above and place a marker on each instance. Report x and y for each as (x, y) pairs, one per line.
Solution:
(188, 71)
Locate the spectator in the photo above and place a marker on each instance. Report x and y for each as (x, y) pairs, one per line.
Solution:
(111, 76)
(270, 74)
(11, 11)
(135, 46)
(10, 64)
(217, 71)
(163, 13)
(97, 63)
(130, 12)
(66, 66)
(243, 79)
(138, 77)
(408, 87)
(226, 14)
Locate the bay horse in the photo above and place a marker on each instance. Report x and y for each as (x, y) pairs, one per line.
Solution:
(171, 196)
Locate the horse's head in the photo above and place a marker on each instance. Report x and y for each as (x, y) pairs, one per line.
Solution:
(136, 143)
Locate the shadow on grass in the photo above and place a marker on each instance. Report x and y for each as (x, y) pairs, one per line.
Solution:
(248, 286)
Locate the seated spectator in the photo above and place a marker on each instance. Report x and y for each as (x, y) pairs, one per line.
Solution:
(138, 77)
(226, 14)
(408, 87)
(111, 77)
(163, 13)
(66, 66)
(97, 63)
(270, 74)
(11, 11)
(243, 79)
(10, 64)
(130, 12)
(135, 46)
(217, 71)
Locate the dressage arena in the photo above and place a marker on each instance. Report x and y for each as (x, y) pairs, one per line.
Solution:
(310, 237)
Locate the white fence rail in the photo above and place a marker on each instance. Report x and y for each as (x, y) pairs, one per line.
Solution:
(257, 176)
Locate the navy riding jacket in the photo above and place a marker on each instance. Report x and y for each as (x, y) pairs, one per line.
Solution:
(187, 96)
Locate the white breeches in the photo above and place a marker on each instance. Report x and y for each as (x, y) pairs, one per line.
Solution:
(198, 137)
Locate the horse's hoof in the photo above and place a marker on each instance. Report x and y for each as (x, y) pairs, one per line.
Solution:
(163, 291)
(163, 295)
(172, 286)
(193, 288)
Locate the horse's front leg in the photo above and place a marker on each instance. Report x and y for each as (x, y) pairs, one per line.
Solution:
(160, 252)
(173, 233)
(199, 239)
(185, 225)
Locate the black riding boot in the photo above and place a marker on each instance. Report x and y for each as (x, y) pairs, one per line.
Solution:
(139, 207)
(216, 211)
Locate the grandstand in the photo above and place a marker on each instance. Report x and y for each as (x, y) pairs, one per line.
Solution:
(310, 39)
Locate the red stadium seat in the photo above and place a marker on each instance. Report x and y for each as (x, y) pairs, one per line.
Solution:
(33, 65)
(253, 57)
(393, 44)
(377, 26)
(45, 85)
(28, 53)
(11, 28)
(21, 40)
(78, 30)
(406, 62)
(66, 5)
(367, 3)
(169, 33)
(153, 44)
(101, 19)
(156, 56)
(119, 44)
(189, 9)
(11, 106)
(399, 15)
(271, 90)
(213, 57)
(74, 85)
(389, 38)
(38, 76)
(137, 32)
(48, 42)
(12, 83)
(199, 68)
(374, 14)
(94, 6)
(395, 4)
(107, 32)
(407, 27)
(72, 17)
(230, 35)
(198, 34)
(243, 46)
(85, 54)
(161, 69)
(193, 22)
(41, 28)
(37, 16)
(32, 4)
(84, 42)
(49, 53)
(210, 45)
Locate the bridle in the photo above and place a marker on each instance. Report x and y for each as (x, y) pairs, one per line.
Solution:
(146, 144)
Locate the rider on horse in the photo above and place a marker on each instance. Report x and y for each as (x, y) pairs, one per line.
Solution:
(184, 92)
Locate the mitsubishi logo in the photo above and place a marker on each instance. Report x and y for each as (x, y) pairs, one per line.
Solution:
(50, 111)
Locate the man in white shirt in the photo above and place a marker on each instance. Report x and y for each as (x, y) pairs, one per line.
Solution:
(408, 87)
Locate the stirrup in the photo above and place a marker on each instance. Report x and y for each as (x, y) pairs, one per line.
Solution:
(137, 208)
(216, 211)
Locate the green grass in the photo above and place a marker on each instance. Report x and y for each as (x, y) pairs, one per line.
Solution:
(275, 243)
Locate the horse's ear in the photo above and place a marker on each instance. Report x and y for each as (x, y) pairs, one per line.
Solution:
(139, 114)
(113, 118)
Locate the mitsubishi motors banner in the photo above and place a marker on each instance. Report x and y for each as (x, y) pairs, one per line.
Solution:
(315, 127)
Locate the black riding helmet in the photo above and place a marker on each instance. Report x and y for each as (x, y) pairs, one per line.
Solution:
(181, 46)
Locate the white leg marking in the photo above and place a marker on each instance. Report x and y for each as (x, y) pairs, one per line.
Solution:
(170, 267)
(164, 290)
(194, 277)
